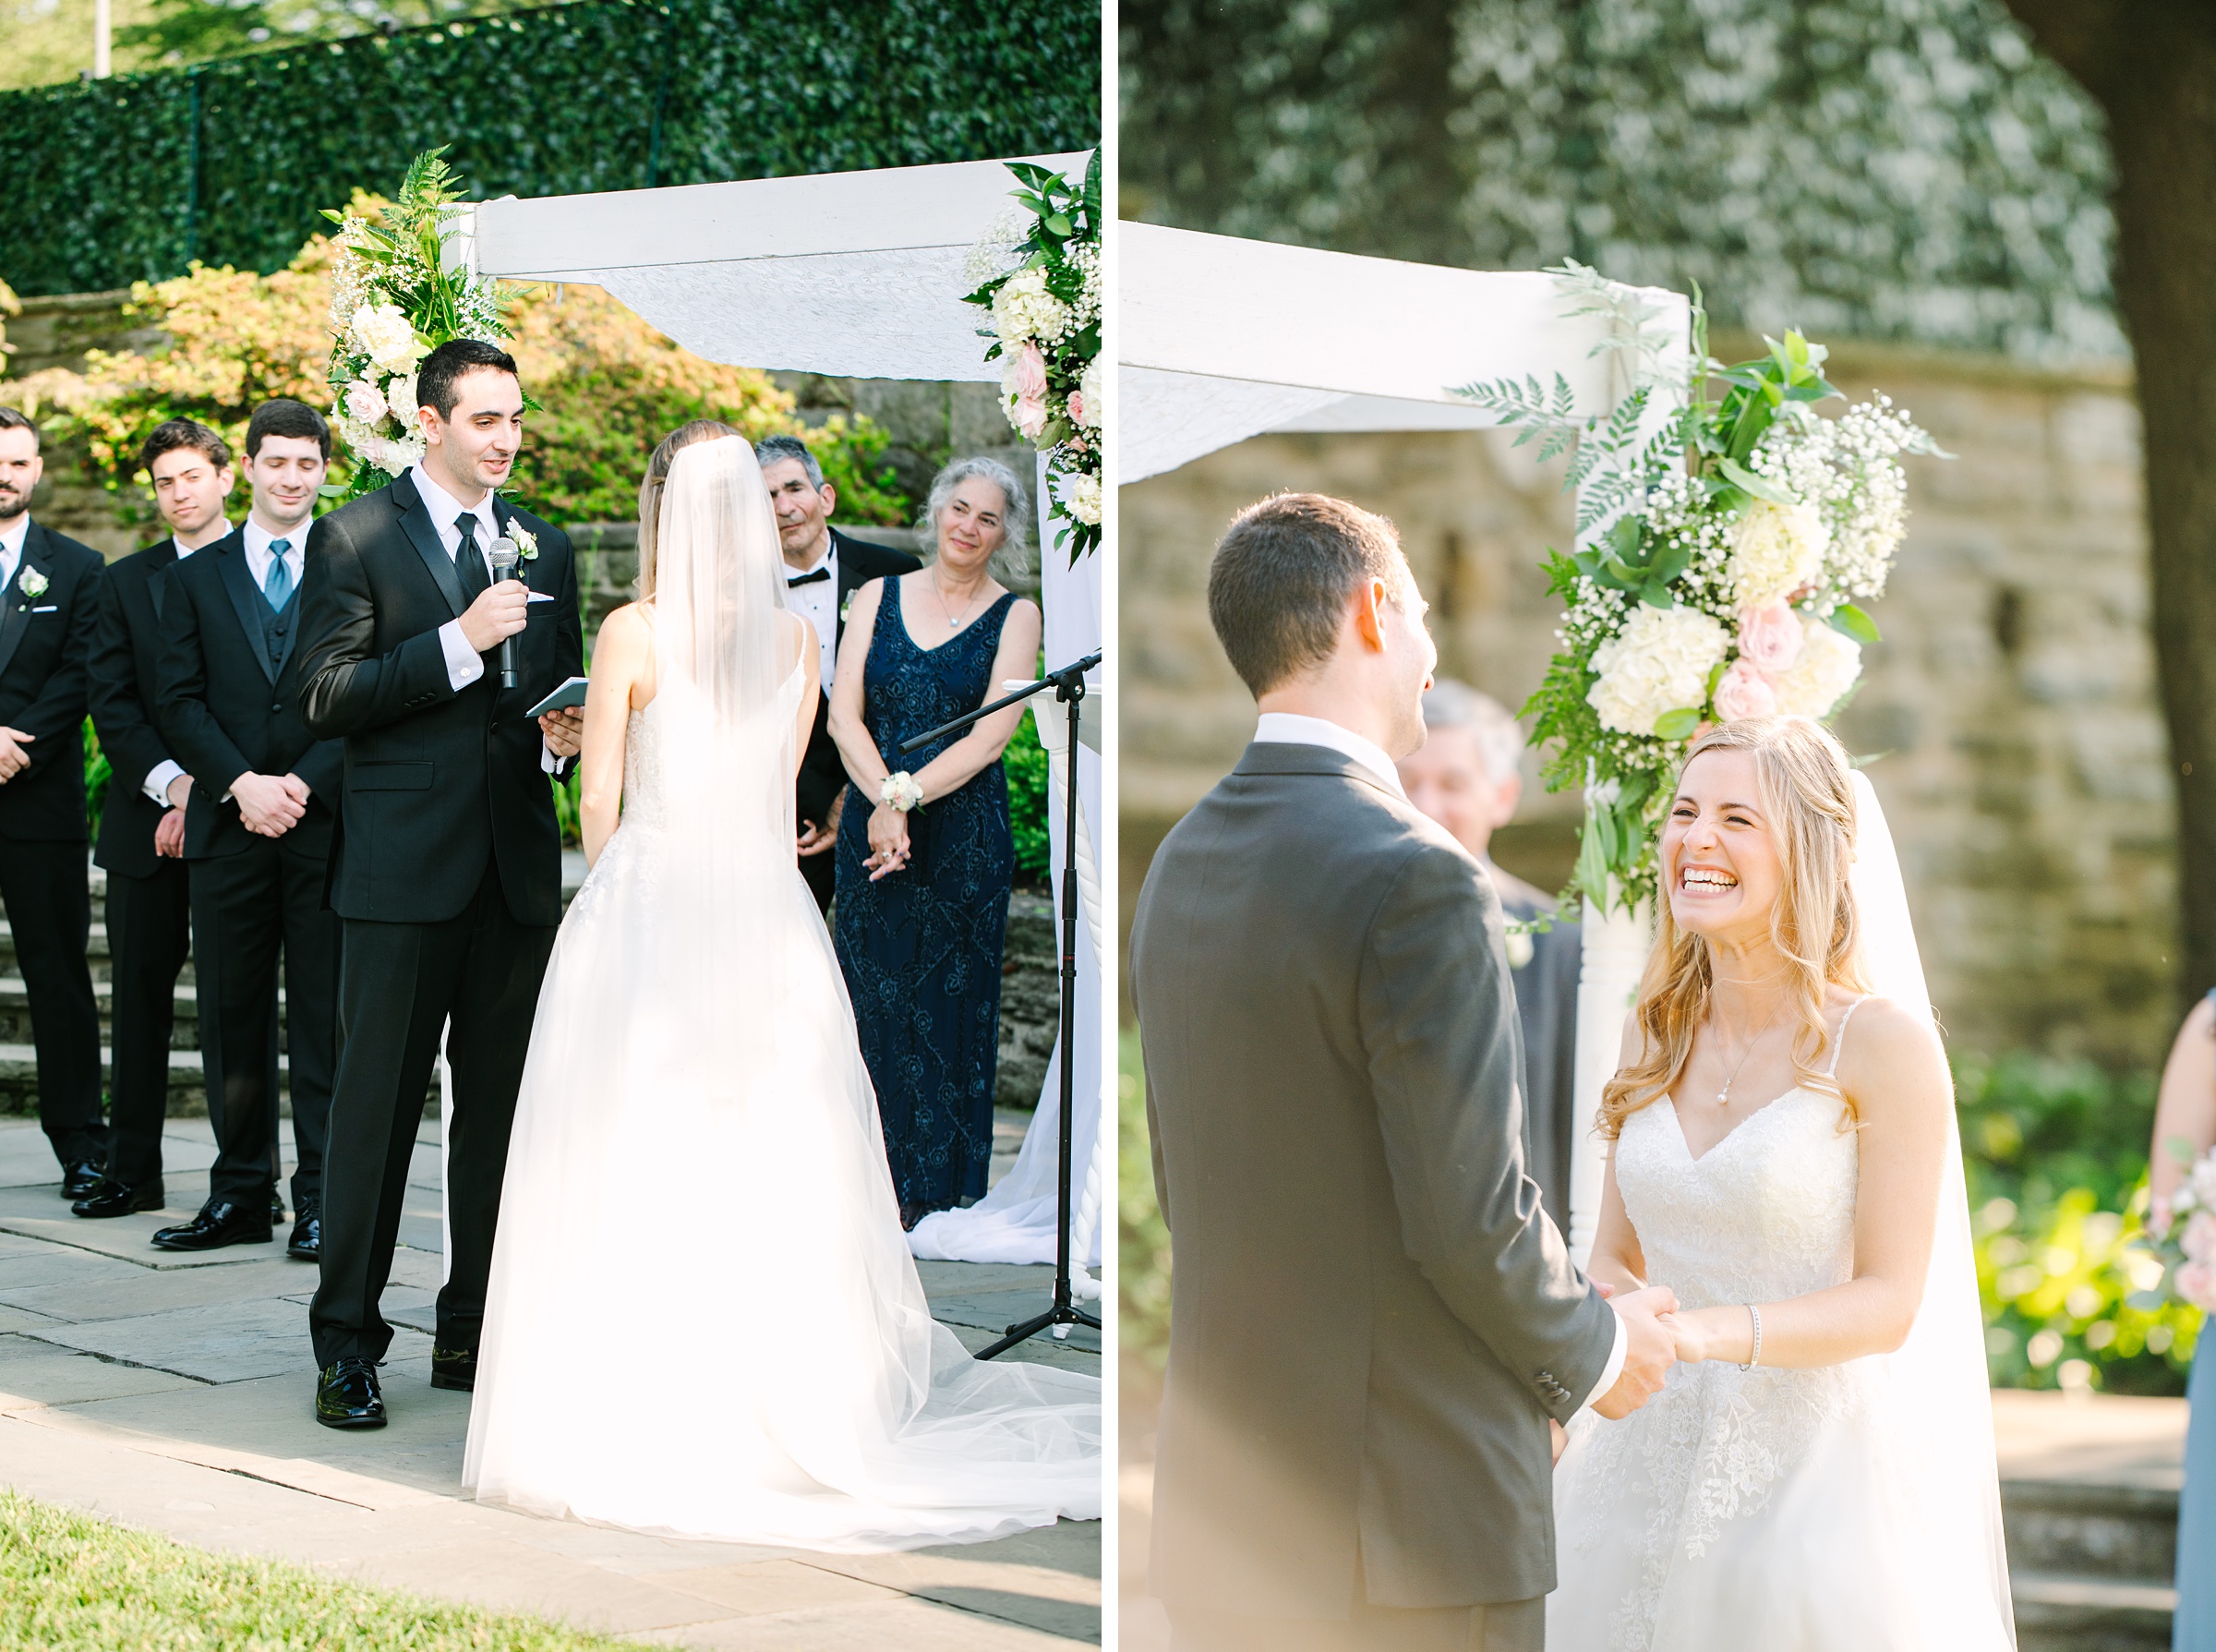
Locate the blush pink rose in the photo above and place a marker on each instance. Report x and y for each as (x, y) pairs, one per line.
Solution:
(1030, 392)
(1743, 693)
(2197, 1285)
(2200, 1239)
(1769, 637)
(1077, 407)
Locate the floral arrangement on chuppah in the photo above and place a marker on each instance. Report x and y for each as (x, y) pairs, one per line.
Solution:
(2186, 1242)
(1037, 275)
(1747, 534)
(398, 291)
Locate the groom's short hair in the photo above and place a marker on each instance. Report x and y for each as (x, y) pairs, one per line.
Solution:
(446, 366)
(1282, 576)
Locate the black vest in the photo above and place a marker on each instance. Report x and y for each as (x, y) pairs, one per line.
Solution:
(278, 628)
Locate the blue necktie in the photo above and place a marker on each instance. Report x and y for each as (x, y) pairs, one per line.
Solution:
(277, 590)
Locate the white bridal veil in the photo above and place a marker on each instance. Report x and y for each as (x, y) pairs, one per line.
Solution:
(1950, 1522)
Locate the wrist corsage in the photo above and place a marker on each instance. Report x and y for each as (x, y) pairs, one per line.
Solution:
(900, 791)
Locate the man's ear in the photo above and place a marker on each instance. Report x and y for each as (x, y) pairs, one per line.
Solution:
(1506, 798)
(1369, 622)
(830, 498)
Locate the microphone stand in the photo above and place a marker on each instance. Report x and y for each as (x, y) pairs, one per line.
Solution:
(1068, 685)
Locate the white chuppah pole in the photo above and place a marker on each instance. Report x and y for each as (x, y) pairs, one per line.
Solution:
(1614, 951)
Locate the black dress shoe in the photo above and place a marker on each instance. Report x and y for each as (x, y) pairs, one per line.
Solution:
(81, 1178)
(276, 1210)
(219, 1223)
(454, 1367)
(347, 1396)
(308, 1235)
(113, 1199)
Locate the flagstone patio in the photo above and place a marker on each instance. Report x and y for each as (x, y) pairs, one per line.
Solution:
(172, 1392)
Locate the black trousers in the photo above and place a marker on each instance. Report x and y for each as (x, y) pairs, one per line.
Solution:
(820, 871)
(49, 899)
(247, 909)
(399, 984)
(149, 931)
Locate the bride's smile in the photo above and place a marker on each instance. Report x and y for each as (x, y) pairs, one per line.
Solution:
(1720, 865)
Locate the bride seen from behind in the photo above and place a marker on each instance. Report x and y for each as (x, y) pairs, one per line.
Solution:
(1818, 1475)
(763, 1366)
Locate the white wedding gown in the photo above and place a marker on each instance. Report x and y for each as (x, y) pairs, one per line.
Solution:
(703, 1316)
(1766, 1511)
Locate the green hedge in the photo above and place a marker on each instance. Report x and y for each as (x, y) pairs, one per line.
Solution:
(228, 161)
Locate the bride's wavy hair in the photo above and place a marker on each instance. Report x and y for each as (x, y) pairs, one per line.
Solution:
(1807, 797)
(657, 479)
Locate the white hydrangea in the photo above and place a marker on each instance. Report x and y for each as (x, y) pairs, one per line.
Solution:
(1023, 309)
(400, 397)
(384, 335)
(1659, 662)
(1080, 496)
(1091, 387)
(1827, 668)
(364, 404)
(1775, 549)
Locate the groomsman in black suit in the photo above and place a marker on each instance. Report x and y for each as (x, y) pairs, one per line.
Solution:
(257, 834)
(141, 842)
(49, 607)
(823, 568)
(447, 869)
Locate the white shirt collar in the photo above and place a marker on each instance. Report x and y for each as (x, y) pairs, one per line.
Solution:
(258, 540)
(1288, 729)
(182, 550)
(828, 560)
(12, 536)
(444, 507)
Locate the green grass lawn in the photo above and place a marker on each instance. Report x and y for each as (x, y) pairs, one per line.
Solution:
(71, 1581)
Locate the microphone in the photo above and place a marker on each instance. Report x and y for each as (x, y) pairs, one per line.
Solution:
(504, 557)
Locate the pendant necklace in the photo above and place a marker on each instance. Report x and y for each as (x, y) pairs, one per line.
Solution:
(1722, 1096)
(953, 621)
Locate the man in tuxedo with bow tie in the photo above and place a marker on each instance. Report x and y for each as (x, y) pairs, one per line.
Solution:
(258, 831)
(141, 844)
(823, 568)
(447, 871)
(49, 604)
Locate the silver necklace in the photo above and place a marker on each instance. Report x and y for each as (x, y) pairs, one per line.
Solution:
(1722, 1096)
(953, 620)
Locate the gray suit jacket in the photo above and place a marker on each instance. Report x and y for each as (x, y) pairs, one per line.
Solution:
(1371, 1319)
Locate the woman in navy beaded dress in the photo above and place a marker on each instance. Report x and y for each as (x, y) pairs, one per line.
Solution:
(924, 858)
(2187, 1113)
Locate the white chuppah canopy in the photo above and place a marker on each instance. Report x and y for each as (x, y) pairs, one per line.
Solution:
(1222, 339)
(859, 275)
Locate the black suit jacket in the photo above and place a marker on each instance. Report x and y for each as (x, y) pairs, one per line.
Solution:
(1547, 1004)
(125, 686)
(45, 648)
(822, 772)
(437, 783)
(229, 712)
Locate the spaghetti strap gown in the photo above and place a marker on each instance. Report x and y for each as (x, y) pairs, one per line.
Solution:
(921, 947)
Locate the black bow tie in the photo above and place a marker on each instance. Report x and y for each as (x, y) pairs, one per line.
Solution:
(807, 579)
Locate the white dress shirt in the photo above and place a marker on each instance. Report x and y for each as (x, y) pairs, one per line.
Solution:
(463, 663)
(1285, 728)
(167, 772)
(12, 534)
(259, 555)
(817, 602)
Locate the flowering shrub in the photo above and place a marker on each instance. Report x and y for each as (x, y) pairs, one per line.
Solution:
(1744, 532)
(1037, 273)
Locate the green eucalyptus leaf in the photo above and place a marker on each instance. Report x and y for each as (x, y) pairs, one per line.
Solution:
(1679, 724)
(1761, 487)
(1669, 563)
(1850, 620)
(1656, 594)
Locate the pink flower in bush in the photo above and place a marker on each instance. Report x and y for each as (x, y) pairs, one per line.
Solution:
(1743, 693)
(1769, 637)
(2197, 1285)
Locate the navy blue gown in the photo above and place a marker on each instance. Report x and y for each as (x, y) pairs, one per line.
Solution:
(921, 947)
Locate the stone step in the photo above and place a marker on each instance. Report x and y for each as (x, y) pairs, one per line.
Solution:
(2058, 1611)
(96, 952)
(2079, 1528)
(15, 1012)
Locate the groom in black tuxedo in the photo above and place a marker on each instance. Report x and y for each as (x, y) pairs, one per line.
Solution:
(446, 872)
(823, 568)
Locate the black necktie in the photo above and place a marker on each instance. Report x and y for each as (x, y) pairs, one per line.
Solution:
(468, 563)
(793, 580)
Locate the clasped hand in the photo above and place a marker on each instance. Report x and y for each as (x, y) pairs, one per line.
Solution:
(14, 759)
(270, 805)
(888, 841)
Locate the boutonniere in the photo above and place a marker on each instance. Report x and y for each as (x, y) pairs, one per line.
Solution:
(526, 542)
(33, 582)
(844, 603)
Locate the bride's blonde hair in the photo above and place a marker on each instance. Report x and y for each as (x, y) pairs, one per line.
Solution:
(1807, 798)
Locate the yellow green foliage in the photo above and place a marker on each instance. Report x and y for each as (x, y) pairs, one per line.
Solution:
(608, 385)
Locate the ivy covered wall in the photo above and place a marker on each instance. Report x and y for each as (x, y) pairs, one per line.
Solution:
(1903, 170)
(132, 179)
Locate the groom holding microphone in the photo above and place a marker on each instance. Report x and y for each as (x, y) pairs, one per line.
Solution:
(447, 874)
(1373, 1322)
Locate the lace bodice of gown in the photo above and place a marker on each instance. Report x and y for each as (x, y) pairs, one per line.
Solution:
(643, 801)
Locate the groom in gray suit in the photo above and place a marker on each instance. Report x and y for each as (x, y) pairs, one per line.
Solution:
(1372, 1323)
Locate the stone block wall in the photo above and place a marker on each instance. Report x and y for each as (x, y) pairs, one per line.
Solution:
(2011, 709)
